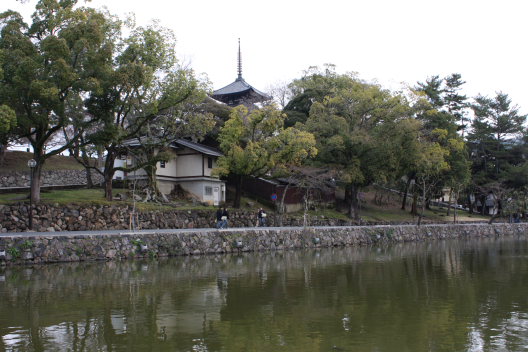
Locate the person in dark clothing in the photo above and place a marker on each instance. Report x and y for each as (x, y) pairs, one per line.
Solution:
(224, 218)
(219, 222)
(261, 218)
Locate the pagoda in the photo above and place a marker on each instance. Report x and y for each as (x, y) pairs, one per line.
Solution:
(240, 92)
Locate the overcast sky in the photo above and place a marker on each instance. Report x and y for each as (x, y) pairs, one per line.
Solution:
(391, 41)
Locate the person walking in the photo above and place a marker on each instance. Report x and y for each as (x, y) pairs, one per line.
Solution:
(225, 217)
(261, 217)
(219, 221)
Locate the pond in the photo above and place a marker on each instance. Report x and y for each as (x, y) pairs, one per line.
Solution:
(458, 295)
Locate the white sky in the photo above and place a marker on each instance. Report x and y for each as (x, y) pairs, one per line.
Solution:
(390, 41)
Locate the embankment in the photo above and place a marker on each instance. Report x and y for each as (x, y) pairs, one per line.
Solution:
(55, 217)
(20, 179)
(33, 248)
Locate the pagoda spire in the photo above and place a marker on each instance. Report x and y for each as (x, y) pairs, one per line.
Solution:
(240, 92)
(239, 61)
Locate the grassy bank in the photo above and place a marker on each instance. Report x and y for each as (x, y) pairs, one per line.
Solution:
(389, 212)
(17, 161)
(88, 196)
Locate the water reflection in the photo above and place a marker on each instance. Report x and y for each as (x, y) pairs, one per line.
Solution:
(467, 295)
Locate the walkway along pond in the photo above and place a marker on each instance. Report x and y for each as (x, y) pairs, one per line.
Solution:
(42, 247)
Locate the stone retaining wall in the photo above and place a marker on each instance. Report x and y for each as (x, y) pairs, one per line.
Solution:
(48, 178)
(47, 217)
(49, 248)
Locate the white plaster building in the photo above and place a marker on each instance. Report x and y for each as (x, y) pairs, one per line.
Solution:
(190, 167)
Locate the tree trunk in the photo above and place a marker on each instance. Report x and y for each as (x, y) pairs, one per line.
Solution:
(151, 171)
(410, 177)
(2, 154)
(39, 156)
(352, 192)
(493, 217)
(109, 175)
(407, 185)
(348, 197)
(89, 181)
(423, 204)
(483, 206)
(449, 202)
(86, 162)
(414, 206)
(281, 205)
(35, 182)
(238, 191)
(457, 194)
(306, 199)
(108, 187)
(100, 157)
(75, 149)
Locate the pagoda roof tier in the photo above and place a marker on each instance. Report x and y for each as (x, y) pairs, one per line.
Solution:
(237, 90)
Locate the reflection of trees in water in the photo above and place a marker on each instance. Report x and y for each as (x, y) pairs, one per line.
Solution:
(407, 294)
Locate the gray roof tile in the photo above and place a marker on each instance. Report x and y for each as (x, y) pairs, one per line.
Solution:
(204, 149)
(237, 87)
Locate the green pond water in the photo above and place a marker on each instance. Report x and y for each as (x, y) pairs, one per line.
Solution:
(463, 295)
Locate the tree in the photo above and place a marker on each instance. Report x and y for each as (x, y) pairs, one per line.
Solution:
(7, 124)
(7, 121)
(430, 165)
(496, 140)
(186, 120)
(516, 180)
(445, 110)
(256, 142)
(80, 149)
(308, 179)
(43, 64)
(500, 115)
(443, 102)
(455, 102)
(313, 86)
(143, 94)
(457, 176)
(281, 93)
(403, 141)
(350, 125)
(497, 122)
(432, 88)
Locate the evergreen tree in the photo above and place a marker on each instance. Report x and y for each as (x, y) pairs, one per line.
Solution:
(45, 62)
(351, 125)
(455, 102)
(496, 130)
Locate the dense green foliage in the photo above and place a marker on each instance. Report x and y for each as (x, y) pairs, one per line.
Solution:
(370, 135)
(373, 136)
(45, 62)
(255, 142)
(72, 73)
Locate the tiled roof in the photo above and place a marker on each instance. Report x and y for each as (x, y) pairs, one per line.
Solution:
(136, 142)
(198, 147)
(237, 87)
(178, 143)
